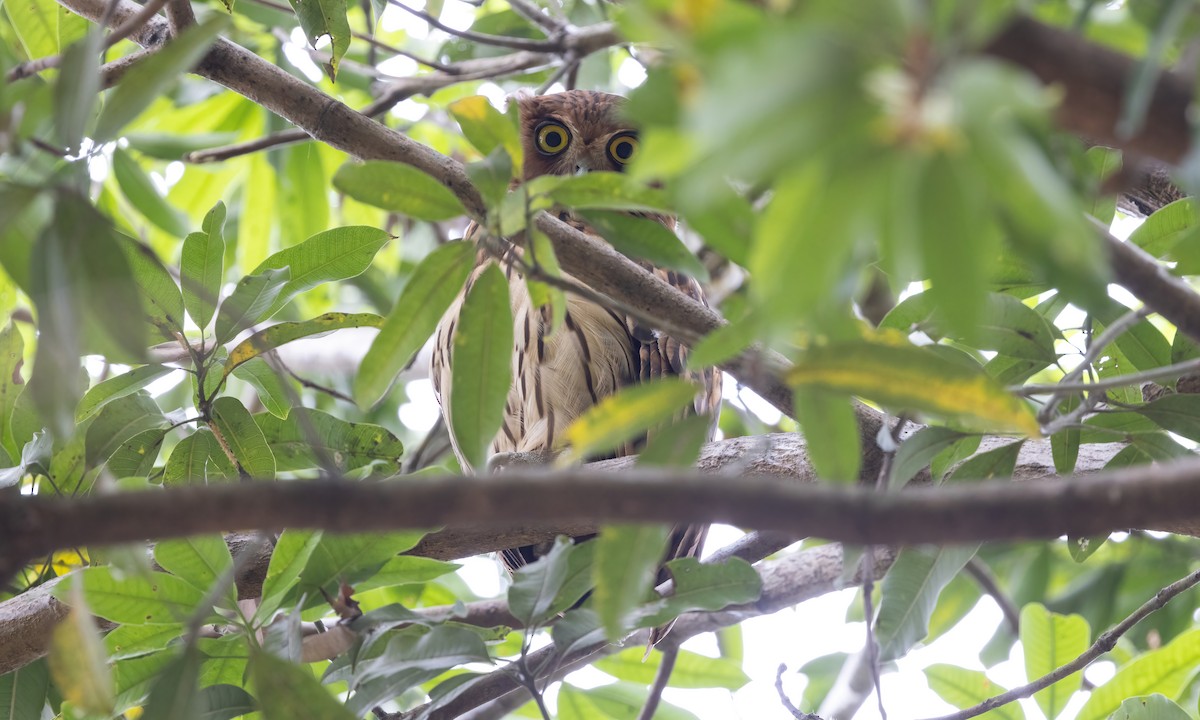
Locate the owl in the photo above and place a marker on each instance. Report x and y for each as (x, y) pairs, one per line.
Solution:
(558, 375)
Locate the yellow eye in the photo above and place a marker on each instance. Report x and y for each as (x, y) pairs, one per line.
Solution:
(622, 148)
(552, 138)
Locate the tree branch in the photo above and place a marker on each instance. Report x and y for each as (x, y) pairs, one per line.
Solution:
(1139, 273)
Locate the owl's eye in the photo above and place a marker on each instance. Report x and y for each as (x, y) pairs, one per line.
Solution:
(552, 138)
(622, 147)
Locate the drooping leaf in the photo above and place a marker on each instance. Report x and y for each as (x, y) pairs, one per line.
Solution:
(119, 421)
(135, 457)
(1006, 325)
(76, 89)
(626, 565)
(198, 459)
(1165, 227)
(244, 437)
(78, 662)
(830, 432)
(481, 365)
(1179, 414)
(286, 691)
(146, 81)
(162, 304)
(250, 302)
(348, 558)
(272, 392)
(1064, 444)
(536, 585)
(290, 555)
(23, 691)
(914, 378)
(627, 414)
(677, 444)
(225, 702)
(704, 587)
(1143, 344)
(324, 18)
(433, 286)
(910, 591)
(200, 560)
(398, 188)
(175, 692)
(139, 189)
(917, 451)
(12, 357)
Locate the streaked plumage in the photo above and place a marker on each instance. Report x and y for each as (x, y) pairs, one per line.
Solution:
(558, 376)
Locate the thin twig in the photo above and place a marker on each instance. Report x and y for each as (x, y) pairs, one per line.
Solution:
(987, 582)
(482, 38)
(1167, 372)
(1106, 642)
(787, 702)
(533, 14)
(1119, 327)
(670, 654)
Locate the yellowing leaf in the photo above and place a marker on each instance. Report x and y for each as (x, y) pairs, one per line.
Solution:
(914, 378)
(626, 415)
(285, 332)
(78, 661)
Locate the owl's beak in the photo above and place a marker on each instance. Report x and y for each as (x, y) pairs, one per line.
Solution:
(582, 168)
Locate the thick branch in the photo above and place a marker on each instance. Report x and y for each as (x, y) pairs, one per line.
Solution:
(1094, 80)
(1139, 273)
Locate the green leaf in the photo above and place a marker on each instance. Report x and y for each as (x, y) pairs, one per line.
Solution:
(574, 704)
(12, 354)
(1006, 325)
(916, 452)
(646, 239)
(535, 586)
(291, 554)
(704, 586)
(398, 188)
(305, 436)
(626, 566)
(147, 81)
(629, 413)
(152, 599)
(1179, 414)
(910, 592)
(1051, 641)
(486, 128)
(677, 444)
(492, 176)
(1104, 162)
(831, 435)
(1143, 344)
(1064, 444)
(250, 302)
(76, 89)
(246, 441)
(175, 693)
(264, 341)
(198, 459)
(200, 560)
(337, 254)
(1166, 671)
(324, 18)
(202, 268)
(128, 641)
(36, 26)
(225, 702)
(433, 286)
(23, 691)
(406, 570)
(600, 191)
(955, 246)
(725, 342)
(965, 688)
(119, 421)
(481, 366)
(1153, 707)
(116, 388)
(136, 456)
(172, 146)
(624, 700)
(286, 691)
(77, 659)
(272, 392)
(1165, 228)
(162, 305)
(349, 558)
(913, 378)
(692, 670)
(140, 191)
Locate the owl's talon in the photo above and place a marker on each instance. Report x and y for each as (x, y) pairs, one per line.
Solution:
(501, 462)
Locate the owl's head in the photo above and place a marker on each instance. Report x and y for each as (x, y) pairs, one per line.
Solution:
(575, 131)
